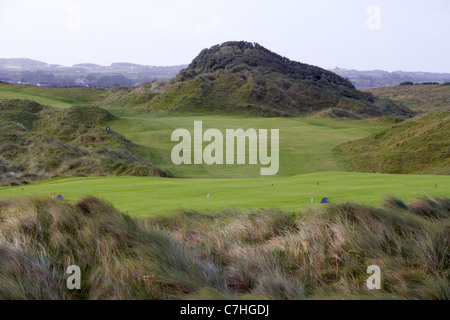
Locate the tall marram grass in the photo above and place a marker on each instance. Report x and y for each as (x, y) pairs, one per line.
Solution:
(317, 254)
(118, 257)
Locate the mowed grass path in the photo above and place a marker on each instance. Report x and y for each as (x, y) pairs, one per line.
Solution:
(306, 145)
(37, 98)
(52, 97)
(144, 197)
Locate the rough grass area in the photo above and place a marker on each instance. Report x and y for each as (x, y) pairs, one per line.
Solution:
(266, 254)
(420, 145)
(417, 97)
(42, 142)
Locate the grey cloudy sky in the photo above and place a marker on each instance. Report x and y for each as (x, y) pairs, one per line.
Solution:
(408, 35)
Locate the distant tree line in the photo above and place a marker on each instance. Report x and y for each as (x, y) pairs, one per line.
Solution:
(410, 83)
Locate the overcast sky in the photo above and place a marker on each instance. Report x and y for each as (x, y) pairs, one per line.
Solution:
(408, 35)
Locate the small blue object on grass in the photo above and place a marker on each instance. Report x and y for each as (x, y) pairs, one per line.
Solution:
(325, 200)
(108, 129)
(60, 197)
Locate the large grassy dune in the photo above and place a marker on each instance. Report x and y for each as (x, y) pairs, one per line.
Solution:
(419, 146)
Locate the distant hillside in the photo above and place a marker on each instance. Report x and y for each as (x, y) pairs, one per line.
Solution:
(379, 78)
(115, 68)
(246, 78)
(41, 142)
(28, 71)
(417, 97)
(21, 64)
(420, 145)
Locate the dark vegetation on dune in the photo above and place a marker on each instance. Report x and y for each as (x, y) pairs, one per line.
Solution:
(322, 253)
(41, 142)
(246, 78)
(417, 146)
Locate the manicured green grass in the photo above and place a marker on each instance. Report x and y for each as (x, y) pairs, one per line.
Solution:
(144, 197)
(306, 145)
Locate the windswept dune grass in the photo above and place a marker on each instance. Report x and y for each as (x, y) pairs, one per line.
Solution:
(266, 254)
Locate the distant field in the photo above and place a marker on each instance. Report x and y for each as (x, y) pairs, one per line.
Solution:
(143, 197)
(417, 97)
(306, 145)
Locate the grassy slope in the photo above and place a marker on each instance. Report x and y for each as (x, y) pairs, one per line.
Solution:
(120, 101)
(306, 145)
(144, 197)
(53, 97)
(417, 97)
(268, 254)
(419, 145)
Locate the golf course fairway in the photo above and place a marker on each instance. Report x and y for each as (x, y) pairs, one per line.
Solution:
(147, 197)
